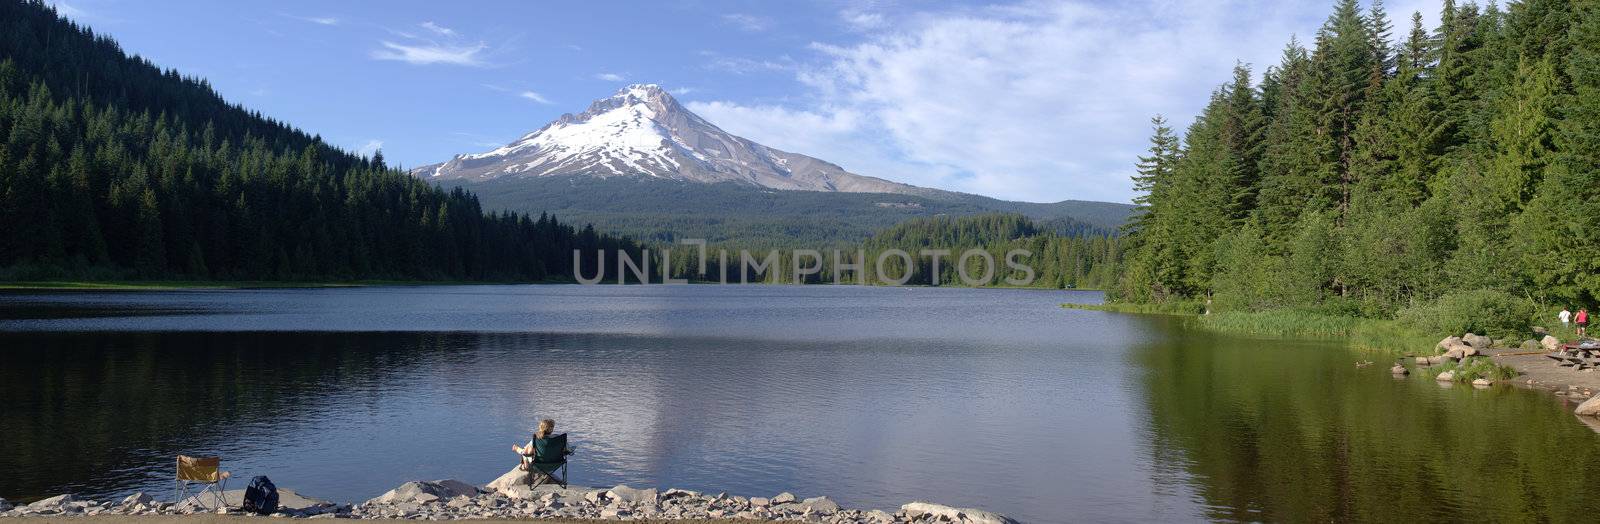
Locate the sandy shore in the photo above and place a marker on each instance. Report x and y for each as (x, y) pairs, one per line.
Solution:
(1540, 372)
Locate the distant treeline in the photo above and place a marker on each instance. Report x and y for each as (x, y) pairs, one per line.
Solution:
(112, 168)
(1039, 257)
(1373, 174)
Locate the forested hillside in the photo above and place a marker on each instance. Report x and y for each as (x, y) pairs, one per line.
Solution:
(656, 209)
(1378, 171)
(113, 168)
(1053, 261)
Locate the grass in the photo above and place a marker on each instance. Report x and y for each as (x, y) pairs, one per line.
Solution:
(1362, 333)
(1474, 368)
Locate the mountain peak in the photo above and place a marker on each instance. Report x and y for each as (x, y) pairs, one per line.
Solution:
(642, 131)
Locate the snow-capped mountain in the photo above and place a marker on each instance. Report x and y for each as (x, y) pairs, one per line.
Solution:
(643, 131)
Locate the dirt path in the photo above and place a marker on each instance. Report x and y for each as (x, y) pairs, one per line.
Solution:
(1543, 373)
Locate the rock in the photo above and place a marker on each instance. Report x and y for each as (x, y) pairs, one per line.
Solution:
(425, 491)
(1529, 345)
(759, 502)
(1477, 341)
(52, 503)
(613, 513)
(783, 498)
(1540, 330)
(1482, 382)
(675, 493)
(1589, 407)
(1550, 343)
(1447, 342)
(1399, 370)
(1446, 376)
(818, 505)
(515, 477)
(595, 496)
(459, 501)
(880, 516)
(916, 510)
(1460, 351)
(137, 498)
(632, 496)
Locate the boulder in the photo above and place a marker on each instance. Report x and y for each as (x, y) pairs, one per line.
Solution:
(1529, 345)
(421, 491)
(1482, 382)
(52, 503)
(1447, 342)
(818, 505)
(1446, 376)
(1460, 351)
(760, 502)
(137, 498)
(1589, 407)
(1540, 330)
(1550, 343)
(675, 493)
(632, 496)
(508, 481)
(1399, 370)
(1477, 341)
(917, 510)
(5, 505)
(783, 498)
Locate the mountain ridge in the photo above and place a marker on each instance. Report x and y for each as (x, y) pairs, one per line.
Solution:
(641, 130)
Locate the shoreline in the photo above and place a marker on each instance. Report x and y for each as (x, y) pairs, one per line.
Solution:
(509, 497)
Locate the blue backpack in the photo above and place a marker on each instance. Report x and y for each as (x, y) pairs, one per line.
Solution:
(261, 497)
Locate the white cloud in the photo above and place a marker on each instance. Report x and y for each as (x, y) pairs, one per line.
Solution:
(609, 77)
(438, 29)
(861, 20)
(1033, 100)
(536, 97)
(369, 147)
(319, 20)
(747, 23)
(745, 66)
(424, 53)
(680, 91)
(63, 9)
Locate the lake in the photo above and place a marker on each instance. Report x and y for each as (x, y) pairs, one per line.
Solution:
(875, 397)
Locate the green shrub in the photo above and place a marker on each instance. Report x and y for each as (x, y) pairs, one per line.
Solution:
(1483, 311)
(1171, 307)
(1475, 368)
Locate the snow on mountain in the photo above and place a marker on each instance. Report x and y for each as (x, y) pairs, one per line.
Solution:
(642, 131)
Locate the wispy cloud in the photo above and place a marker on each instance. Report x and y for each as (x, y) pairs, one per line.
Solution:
(862, 20)
(369, 147)
(747, 23)
(319, 20)
(438, 29)
(424, 53)
(67, 10)
(536, 97)
(745, 66)
(917, 101)
(609, 77)
(680, 91)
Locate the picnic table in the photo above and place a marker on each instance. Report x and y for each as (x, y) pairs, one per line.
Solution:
(1581, 354)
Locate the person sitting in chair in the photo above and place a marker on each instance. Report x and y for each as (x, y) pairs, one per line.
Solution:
(545, 429)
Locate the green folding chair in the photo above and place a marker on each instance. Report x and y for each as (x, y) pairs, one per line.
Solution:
(549, 457)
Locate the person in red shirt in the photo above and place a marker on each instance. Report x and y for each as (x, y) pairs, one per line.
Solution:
(1582, 320)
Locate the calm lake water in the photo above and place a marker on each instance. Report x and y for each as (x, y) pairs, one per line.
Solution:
(873, 396)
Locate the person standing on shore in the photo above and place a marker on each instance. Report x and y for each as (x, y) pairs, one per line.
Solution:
(1566, 318)
(1583, 320)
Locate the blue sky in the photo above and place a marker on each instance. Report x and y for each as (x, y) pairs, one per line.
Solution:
(1030, 100)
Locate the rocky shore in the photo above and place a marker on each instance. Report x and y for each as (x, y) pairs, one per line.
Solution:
(510, 497)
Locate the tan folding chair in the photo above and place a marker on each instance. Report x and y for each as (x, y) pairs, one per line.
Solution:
(202, 472)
